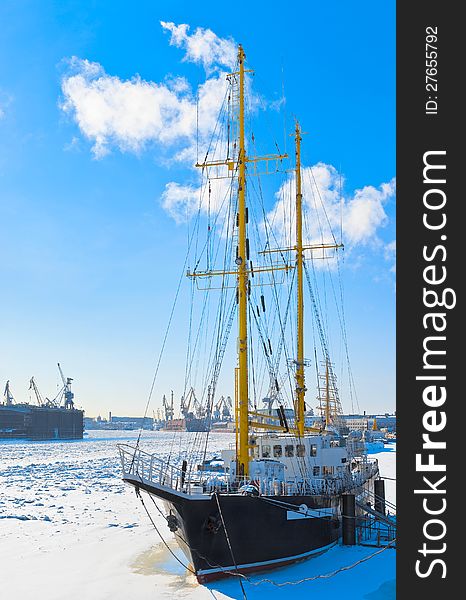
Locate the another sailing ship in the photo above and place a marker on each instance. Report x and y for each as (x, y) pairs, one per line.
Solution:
(277, 497)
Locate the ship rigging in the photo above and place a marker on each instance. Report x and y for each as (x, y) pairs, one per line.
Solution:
(277, 498)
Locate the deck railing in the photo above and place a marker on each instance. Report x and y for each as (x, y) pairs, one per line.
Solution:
(153, 469)
(137, 462)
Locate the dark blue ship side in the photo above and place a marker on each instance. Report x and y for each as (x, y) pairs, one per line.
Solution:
(25, 421)
(55, 419)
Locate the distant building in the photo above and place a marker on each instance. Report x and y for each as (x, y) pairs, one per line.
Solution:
(119, 423)
(363, 422)
(144, 422)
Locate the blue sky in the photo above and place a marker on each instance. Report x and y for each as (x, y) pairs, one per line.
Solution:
(91, 254)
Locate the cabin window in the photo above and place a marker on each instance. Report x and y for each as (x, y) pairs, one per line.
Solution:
(277, 451)
(266, 451)
(343, 460)
(300, 450)
(327, 470)
(316, 471)
(313, 450)
(289, 450)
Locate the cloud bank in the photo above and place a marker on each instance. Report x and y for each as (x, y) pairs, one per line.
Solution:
(130, 114)
(360, 215)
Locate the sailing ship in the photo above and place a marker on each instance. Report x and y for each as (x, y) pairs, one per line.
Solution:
(277, 498)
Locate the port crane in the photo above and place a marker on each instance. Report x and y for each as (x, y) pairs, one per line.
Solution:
(223, 408)
(191, 400)
(168, 408)
(47, 402)
(199, 410)
(9, 400)
(65, 391)
(33, 386)
(186, 404)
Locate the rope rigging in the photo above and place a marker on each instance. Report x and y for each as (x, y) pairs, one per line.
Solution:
(270, 349)
(233, 230)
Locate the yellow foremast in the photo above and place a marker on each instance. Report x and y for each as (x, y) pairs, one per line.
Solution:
(300, 385)
(242, 270)
(238, 165)
(242, 286)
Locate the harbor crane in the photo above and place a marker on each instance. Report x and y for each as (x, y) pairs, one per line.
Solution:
(47, 402)
(9, 400)
(223, 408)
(66, 390)
(33, 386)
(186, 404)
(168, 407)
(227, 408)
(199, 410)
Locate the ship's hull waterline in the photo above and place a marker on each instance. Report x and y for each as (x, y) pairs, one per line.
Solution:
(261, 532)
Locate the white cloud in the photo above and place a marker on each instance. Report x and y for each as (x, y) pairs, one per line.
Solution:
(203, 46)
(364, 213)
(181, 202)
(359, 215)
(130, 114)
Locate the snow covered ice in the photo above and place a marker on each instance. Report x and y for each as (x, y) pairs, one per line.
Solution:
(71, 529)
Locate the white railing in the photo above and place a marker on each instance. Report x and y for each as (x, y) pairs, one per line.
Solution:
(152, 469)
(147, 466)
(365, 470)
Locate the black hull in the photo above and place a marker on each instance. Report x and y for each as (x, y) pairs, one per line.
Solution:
(262, 535)
(28, 422)
(39, 438)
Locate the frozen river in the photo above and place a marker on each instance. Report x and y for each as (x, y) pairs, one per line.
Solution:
(70, 529)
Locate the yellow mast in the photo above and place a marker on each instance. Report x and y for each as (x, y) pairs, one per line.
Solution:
(242, 278)
(300, 385)
(300, 248)
(242, 267)
(327, 396)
